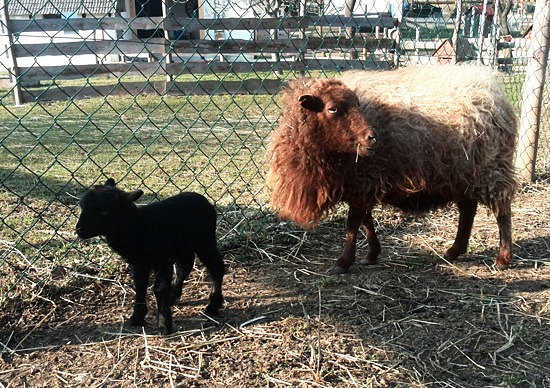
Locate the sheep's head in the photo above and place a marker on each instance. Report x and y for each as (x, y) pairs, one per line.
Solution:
(104, 208)
(338, 118)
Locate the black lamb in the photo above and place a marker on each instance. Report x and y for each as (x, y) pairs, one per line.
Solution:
(156, 237)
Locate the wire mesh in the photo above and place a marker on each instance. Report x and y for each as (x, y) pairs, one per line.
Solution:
(180, 96)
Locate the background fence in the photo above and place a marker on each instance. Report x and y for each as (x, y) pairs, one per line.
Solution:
(171, 96)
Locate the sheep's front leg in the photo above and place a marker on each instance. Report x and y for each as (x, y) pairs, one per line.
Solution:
(374, 245)
(355, 218)
(162, 289)
(140, 274)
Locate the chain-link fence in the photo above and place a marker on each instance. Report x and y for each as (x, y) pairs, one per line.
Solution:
(180, 95)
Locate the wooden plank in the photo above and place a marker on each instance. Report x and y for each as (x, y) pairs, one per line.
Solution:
(177, 23)
(506, 61)
(370, 20)
(159, 46)
(332, 64)
(359, 42)
(172, 23)
(420, 45)
(33, 75)
(252, 86)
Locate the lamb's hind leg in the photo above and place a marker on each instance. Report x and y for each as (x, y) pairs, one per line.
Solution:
(504, 220)
(346, 260)
(183, 268)
(162, 289)
(467, 211)
(212, 260)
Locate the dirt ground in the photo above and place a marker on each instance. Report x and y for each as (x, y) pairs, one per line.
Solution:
(414, 320)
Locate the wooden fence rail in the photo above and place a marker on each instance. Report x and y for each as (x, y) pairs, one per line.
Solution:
(116, 56)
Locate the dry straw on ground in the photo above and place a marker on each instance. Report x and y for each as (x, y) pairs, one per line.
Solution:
(413, 320)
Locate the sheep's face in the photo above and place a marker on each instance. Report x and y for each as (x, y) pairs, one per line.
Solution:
(343, 127)
(104, 209)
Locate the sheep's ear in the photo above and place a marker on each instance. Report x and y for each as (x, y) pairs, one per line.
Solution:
(134, 195)
(311, 102)
(110, 182)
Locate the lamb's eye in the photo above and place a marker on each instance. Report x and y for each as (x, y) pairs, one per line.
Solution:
(104, 212)
(333, 110)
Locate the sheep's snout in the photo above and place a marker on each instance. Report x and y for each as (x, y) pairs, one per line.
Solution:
(367, 146)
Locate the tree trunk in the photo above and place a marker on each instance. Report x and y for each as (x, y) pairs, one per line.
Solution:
(348, 12)
(504, 8)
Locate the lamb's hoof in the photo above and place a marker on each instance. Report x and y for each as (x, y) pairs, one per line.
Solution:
(337, 271)
(211, 311)
(136, 321)
(164, 330)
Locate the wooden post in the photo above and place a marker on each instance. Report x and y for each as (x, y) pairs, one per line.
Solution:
(532, 92)
(167, 42)
(495, 35)
(456, 32)
(397, 41)
(14, 70)
(481, 37)
(302, 35)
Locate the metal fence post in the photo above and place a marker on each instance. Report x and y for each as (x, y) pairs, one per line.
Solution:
(532, 92)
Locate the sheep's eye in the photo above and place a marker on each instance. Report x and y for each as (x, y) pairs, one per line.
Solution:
(333, 110)
(104, 212)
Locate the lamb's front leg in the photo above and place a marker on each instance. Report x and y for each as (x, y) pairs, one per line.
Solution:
(140, 274)
(163, 289)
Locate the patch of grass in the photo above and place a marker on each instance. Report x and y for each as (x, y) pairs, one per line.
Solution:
(51, 152)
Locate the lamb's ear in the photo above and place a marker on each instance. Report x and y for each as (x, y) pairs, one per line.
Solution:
(132, 196)
(110, 182)
(311, 102)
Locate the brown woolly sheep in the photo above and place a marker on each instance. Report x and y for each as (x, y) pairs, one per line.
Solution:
(444, 134)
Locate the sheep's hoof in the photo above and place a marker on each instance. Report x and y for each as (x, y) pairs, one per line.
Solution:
(501, 266)
(368, 262)
(337, 271)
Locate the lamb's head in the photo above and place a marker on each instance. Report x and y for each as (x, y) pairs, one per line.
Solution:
(332, 109)
(104, 208)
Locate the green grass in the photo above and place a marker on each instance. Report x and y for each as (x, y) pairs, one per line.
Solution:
(50, 152)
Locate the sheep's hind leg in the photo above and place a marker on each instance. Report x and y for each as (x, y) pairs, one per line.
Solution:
(346, 260)
(467, 211)
(212, 259)
(162, 289)
(182, 270)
